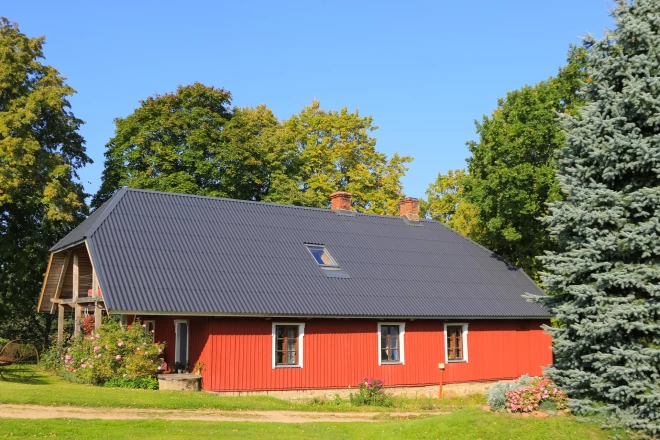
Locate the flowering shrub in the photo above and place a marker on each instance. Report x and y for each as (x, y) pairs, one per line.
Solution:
(497, 393)
(371, 392)
(111, 354)
(529, 398)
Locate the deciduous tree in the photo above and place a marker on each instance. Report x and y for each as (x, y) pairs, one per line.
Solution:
(171, 143)
(511, 172)
(335, 151)
(446, 203)
(41, 198)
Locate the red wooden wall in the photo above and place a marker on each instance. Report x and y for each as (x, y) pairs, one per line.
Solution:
(340, 352)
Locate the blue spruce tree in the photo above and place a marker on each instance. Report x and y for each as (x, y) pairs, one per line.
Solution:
(604, 280)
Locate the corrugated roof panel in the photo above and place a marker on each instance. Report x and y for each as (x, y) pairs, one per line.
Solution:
(178, 253)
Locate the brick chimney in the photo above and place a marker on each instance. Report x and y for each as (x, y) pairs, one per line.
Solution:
(341, 200)
(409, 207)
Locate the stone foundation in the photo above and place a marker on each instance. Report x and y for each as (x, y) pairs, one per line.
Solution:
(179, 382)
(429, 391)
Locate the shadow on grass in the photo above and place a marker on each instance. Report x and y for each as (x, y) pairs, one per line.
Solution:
(39, 378)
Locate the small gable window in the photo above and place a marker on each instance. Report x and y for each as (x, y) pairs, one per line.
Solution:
(322, 256)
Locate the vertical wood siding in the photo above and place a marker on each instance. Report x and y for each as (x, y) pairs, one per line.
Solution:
(340, 352)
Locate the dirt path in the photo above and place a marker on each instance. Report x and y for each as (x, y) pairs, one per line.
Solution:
(72, 412)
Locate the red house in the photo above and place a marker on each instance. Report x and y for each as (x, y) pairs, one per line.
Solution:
(274, 297)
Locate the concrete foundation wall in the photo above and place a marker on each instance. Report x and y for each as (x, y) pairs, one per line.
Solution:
(430, 391)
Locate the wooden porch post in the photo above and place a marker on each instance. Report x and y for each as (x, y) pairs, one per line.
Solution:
(97, 315)
(60, 323)
(76, 327)
(95, 284)
(78, 314)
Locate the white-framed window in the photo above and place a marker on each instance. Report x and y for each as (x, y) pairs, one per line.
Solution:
(150, 328)
(288, 344)
(181, 331)
(456, 342)
(391, 336)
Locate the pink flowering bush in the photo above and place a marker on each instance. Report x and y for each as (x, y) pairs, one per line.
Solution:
(111, 354)
(371, 392)
(529, 398)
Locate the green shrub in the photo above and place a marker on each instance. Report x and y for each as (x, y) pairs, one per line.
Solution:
(50, 360)
(3, 342)
(146, 383)
(113, 353)
(371, 392)
(497, 393)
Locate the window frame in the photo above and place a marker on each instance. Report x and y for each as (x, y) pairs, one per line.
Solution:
(402, 334)
(176, 339)
(334, 265)
(464, 340)
(301, 345)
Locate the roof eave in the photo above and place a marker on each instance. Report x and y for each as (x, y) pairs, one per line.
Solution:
(303, 316)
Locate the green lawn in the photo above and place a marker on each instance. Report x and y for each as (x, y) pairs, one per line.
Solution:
(465, 420)
(45, 389)
(462, 424)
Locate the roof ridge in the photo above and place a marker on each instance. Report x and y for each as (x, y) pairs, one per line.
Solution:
(255, 202)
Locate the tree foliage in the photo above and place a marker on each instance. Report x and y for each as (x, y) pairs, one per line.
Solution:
(333, 151)
(170, 143)
(40, 196)
(446, 203)
(191, 142)
(603, 278)
(511, 171)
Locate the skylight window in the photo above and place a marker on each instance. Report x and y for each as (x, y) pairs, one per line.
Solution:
(322, 256)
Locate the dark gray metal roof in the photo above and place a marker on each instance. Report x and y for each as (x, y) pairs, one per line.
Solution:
(173, 253)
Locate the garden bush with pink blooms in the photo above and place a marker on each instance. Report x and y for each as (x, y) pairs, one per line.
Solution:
(371, 392)
(112, 355)
(530, 397)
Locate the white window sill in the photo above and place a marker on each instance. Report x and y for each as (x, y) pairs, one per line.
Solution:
(458, 361)
(288, 366)
(390, 363)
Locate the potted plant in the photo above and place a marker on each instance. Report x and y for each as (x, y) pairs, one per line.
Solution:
(181, 366)
(199, 367)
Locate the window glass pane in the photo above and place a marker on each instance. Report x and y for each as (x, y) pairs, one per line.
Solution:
(318, 254)
(455, 342)
(181, 342)
(389, 343)
(286, 345)
(321, 255)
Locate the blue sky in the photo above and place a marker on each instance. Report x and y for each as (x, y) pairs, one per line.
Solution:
(424, 70)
